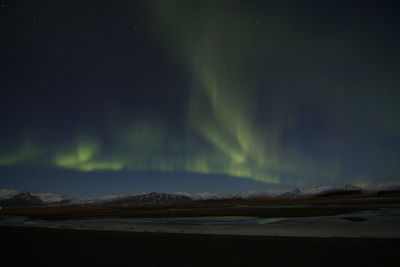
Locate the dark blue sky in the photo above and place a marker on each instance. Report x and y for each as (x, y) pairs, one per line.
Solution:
(100, 183)
(115, 97)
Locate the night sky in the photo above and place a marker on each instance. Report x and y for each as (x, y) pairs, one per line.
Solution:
(101, 97)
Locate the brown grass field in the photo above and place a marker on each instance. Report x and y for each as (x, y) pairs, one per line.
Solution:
(268, 207)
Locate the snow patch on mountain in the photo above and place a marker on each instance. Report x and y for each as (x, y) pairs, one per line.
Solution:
(51, 198)
(295, 193)
(8, 193)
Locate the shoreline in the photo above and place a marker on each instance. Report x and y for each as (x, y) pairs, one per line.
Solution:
(325, 226)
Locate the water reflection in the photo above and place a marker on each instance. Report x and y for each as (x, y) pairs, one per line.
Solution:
(209, 221)
(236, 220)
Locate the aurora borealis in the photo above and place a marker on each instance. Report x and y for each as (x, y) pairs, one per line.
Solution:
(268, 93)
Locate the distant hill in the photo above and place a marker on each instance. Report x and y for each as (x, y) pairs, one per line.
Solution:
(13, 198)
(296, 193)
(144, 198)
(348, 189)
(19, 198)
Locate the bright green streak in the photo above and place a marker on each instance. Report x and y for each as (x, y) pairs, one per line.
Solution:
(84, 157)
(216, 44)
(26, 152)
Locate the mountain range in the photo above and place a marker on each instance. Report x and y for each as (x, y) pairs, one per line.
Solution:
(295, 193)
(14, 198)
(10, 197)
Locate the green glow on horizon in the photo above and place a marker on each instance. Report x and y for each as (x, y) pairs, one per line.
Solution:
(9, 160)
(84, 157)
(82, 152)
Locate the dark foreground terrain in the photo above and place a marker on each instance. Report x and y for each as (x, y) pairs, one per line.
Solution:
(23, 246)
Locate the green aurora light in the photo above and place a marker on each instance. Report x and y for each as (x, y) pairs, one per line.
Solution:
(233, 123)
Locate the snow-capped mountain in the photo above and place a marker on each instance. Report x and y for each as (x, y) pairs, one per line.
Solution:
(202, 195)
(143, 198)
(348, 189)
(317, 190)
(208, 195)
(10, 197)
(257, 194)
(50, 198)
(8, 193)
(296, 193)
(140, 198)
(244, 195)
